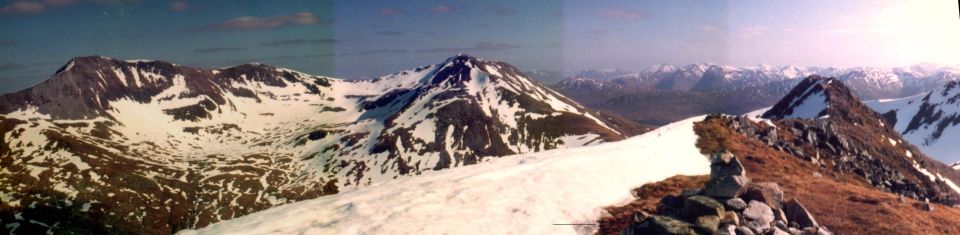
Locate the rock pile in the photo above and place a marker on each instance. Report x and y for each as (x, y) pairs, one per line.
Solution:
(728, 204)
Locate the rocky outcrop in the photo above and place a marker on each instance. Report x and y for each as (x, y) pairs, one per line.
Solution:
(824, 123)
(753, 208)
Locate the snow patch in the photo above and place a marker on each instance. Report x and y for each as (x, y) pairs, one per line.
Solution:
(557, 186)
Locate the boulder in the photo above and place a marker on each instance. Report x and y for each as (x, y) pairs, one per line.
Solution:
(666, 225)
(778, 231)
(726, 230)
(708, 224)
(640, 216)
(727, 176)
(780, 216)
(725, 187)
(780, 224)
(797, 213)
(926, 205)
(725, 164)
(697, 206)
(758, 215)
(730, 218)
(690, 192)
(767, 192)
(670, 206)
(743, 230)
(735, 204)
(815, 231)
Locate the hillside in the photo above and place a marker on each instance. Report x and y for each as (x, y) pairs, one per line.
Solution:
(825, 148)
(152, 147)
(534, 193)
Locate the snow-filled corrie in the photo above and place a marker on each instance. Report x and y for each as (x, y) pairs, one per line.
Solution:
(228, 142)
(927, 120)
(522, 194)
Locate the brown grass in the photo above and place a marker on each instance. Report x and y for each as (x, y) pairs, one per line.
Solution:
(842, 202)
(648, 196)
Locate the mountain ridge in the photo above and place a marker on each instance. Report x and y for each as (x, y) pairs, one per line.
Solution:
(204, 145)
(824, 113)
(663, 94)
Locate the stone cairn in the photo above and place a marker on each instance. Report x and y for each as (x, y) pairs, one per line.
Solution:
(729, 204)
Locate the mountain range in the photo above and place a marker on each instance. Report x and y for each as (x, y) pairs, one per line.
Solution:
(152, 147)
(108, 146)
(820, 144)
(664, 93)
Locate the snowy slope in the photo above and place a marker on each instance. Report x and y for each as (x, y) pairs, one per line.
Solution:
(192, 146)
(928, 120)
(522, 194)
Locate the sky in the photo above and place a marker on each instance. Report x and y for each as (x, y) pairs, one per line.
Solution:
(366, 39)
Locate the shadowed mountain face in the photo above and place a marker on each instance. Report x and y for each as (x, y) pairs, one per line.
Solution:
(153, 147)
(820, 120)
(929, 120)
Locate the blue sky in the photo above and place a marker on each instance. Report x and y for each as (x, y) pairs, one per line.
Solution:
(358, 39)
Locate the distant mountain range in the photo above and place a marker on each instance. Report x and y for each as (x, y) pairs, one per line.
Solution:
(664, 93)
(111, 146)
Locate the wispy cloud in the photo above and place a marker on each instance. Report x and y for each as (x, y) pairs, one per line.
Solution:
(599, 31)
(60, 3)
(382, 51)
(298, 41)
(10, 66)
(256, 23)
(712, 29)
(179, 6)
(480, 46)
(389, 33)
(442, 9)
(392, 12)
(501, 10)
(23, 7)
(621, 14)
(27, 7)
(753, 31)
(217, 49)
(114, 2)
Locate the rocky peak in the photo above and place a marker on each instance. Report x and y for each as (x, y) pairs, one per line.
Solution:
(85, 86)
(821, 97)
(456, 70)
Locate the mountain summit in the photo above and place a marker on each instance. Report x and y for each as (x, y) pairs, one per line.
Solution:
(817, 97)
(196, 145)
(829, 125)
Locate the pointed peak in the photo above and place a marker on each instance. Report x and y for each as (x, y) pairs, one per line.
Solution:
(817, 97)
(461, 58)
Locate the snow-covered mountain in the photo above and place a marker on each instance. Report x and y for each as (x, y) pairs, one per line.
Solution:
(662, 94)
(929, 120)
(866, 82)
(191, 146)
(523, 194)
(819, 135)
